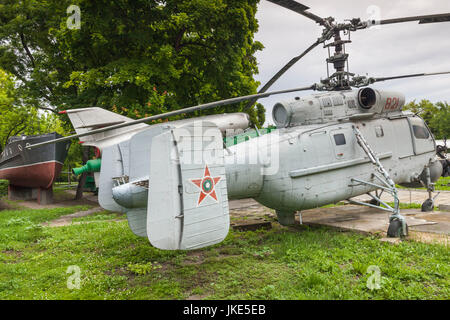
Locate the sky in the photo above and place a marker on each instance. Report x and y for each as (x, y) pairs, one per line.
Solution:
(395, 49)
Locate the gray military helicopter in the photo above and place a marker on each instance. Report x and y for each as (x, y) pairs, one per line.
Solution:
(174, 180)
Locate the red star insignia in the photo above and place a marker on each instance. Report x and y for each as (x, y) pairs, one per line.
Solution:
(207, 186)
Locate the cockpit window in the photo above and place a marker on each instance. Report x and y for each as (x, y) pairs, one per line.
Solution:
(420, 132)
(339, 139)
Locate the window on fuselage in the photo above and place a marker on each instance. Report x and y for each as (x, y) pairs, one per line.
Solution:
(379, 131)
(339, 139)
(420, 132)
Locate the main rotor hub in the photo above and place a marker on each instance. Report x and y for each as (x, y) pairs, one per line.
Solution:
(340, 79)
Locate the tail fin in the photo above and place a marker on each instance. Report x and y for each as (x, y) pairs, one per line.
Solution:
(188, 201)
(88, 119)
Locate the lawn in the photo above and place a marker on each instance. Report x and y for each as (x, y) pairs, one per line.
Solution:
(443, 184)
(281, 263)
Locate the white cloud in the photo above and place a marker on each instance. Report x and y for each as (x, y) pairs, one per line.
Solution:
(390, 50)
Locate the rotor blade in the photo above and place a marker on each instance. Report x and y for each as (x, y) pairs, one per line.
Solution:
(281, 72)
(410, 76)
(444, 17)
(174, 113)
(299, 8)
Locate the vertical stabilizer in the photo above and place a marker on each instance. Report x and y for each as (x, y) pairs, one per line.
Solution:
(188, 201)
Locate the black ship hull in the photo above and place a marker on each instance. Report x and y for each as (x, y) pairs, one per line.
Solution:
(35, 168)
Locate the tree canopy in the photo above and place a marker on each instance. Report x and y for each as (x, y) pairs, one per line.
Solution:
(136, 57)
(17, 119)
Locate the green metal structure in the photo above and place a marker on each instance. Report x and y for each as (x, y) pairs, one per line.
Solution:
(90, 166)
(245, 136)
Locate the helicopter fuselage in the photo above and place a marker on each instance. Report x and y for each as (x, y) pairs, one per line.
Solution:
(312, 164)
(317, 162)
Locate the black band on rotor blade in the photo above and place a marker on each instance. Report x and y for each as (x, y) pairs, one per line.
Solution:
(411, 76)
(422, 19)
(205, 106)
(281, 72)
(291, 5)
(437, 18)
(299, 8)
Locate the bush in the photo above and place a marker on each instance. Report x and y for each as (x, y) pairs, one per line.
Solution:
(3, 187)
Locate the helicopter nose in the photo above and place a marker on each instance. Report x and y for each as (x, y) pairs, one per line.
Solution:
(436, 171)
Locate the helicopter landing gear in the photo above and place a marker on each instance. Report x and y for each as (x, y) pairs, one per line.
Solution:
(397, 223)
(286, 218)
(375, 201)
(428, 205)
(397, 227)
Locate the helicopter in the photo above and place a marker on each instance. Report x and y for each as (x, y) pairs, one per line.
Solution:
(174, 179)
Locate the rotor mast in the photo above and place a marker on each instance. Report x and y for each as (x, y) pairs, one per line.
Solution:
(340, 78)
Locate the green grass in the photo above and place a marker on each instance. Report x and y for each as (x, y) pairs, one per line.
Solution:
(281, 263)
(406, 205)
(443, 184)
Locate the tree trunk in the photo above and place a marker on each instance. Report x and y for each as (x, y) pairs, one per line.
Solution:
(83, 177)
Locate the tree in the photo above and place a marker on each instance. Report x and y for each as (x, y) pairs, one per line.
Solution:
(18, 119)
(426, 109)
(137, 57)
(437, 116)
(441, 121)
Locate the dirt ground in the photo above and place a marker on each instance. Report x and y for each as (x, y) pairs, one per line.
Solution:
(3, 206)
(67, 219)
(61, 199)
(424, 227)
(413, 196)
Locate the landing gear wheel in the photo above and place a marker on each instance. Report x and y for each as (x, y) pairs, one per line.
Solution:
(395, 229)
(427, 205)
(375, 202)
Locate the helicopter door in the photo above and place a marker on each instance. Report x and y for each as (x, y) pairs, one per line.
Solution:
(320, 143)
(403, 142)
(423, 139)
(342, 139)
